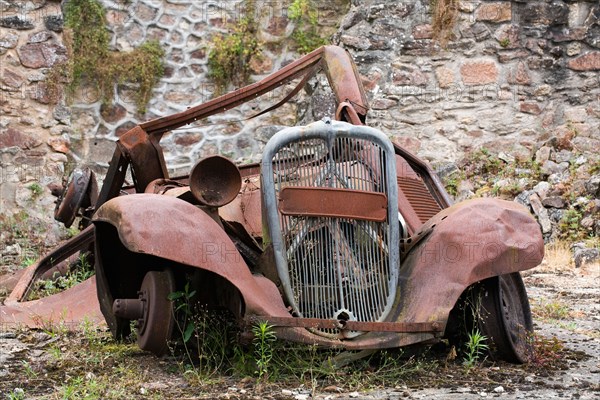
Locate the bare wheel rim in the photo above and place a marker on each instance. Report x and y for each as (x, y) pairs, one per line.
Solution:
(156, 326)
(505, 318)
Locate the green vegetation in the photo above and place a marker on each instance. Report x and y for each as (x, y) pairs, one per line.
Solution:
(475, 348)
(264, 338)
(79, 272)
(570, 225)
(493, 176)
(305, 36)
(230, 55)
(551, 309)
(92, 64)
(16, 394)
(505, 42)
(36, 190)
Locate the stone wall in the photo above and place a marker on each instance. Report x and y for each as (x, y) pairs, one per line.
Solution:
(515, 76)
(516, 72)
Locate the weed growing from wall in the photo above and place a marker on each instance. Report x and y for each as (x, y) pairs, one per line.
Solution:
(93, 64)
(305, 35)
(229, 58)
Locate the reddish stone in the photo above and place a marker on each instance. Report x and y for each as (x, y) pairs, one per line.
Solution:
(42, 94)
(188, 139)
(479, 72)
(422, 31)
(383, 104)
(261, 65)
(198, 54)
(568, 34)
(42, 55)
(113, 113)
(586, 62)
(277, 26)
(11, 79)
(445, 77)
(405, 74)
(59, 144)
(411, 144)
(494, 12)
(12, 137)
(519, 75)
(530, 108)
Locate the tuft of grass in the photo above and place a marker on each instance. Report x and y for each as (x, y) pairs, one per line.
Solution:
(475, 348)
(551, 309)
(547, 353)
(557, 258)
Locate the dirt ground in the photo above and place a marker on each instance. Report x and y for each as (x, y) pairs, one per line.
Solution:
(565, 302)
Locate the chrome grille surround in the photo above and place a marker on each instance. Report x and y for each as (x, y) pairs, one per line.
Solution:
(330, 267)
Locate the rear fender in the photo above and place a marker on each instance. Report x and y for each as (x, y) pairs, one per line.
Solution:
(152, 226)
(463, 244)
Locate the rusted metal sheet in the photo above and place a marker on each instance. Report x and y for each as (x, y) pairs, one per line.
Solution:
(67, 309)
(78, 243)
(188, 236)
(466, 243)
(245, 209)
(330, 202)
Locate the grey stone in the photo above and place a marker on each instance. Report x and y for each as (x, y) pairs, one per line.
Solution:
(553, 201)
(9, 41)
(549, 167)
(556, 214)
(541, 213)
(16, 22)
(562, 156)
(62, 114)
(523, 197)
(593, 186)
(40, 37)
(543, 154)
(584, 256)
(54, 23)
(542, 189)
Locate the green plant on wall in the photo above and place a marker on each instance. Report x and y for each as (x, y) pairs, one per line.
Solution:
(230, 55)
(305, 35)
(93, 64)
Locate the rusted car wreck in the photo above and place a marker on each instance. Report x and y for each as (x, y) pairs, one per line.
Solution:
(338, 237)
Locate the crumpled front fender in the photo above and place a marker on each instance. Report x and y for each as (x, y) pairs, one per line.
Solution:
(465, 243)
(172, 229)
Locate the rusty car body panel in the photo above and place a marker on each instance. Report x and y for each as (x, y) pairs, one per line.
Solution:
(338, 238)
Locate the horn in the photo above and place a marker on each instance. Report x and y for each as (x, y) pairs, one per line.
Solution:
(215, 181)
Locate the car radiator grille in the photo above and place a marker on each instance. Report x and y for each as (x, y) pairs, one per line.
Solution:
(337, 267)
